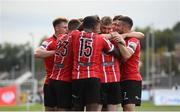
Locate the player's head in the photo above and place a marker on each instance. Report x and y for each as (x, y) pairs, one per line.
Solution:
(117, 17)
(81, 26)
(60, 25)
(73, 24)
(106, 24)
(126, 23)
(115, 24)
(92, 23)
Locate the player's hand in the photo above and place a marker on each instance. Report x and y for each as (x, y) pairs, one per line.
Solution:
(53, 51)
(123, 36)
(115, 34)
(119, 40)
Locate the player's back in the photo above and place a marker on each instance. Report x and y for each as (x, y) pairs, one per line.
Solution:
(110, 67)
(63, 61)
(87, 49)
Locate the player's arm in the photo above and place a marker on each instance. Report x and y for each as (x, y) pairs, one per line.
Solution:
(107, 36)
(133, 34)
(126, 52)
(116, 53)
(43, 53)
(108, 47)
(110, 36)
(130, 34)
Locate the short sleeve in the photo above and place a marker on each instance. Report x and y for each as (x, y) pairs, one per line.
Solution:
(46, 44)
(132, 44)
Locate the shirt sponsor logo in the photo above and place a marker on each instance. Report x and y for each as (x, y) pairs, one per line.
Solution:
(107, 63)
(84, 64)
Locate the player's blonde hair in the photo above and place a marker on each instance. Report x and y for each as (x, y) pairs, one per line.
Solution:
(106, 20)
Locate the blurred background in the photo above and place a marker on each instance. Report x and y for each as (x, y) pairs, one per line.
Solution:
(25, 23)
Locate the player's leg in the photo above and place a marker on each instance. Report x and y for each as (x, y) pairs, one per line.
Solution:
(49, 95)
(92, 96)
(47, 105)
(77, 107)
(64, 95)
(77, 95)
(129, 107)
(104, 96)
(131, 94)
(94, 107)
(111, 107)
(104, 108)
(113, 96)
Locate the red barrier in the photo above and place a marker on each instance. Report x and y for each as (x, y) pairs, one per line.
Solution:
(8, 96)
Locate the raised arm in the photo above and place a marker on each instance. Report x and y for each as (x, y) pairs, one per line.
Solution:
(133, 34)
(110, 35)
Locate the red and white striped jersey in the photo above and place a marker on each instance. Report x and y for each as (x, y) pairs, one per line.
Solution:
(130, 68)
(87, 50)
(110, 67)
(63, 61)
(49, 44)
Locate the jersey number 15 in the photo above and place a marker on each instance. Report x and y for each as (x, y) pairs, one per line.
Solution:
(85, 47)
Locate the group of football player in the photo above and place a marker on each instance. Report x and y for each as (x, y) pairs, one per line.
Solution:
(92, 64)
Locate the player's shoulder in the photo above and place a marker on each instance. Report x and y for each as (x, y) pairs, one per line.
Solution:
(59, 37)
(75, 32)
(48, 41)
(133, 39)
(103, 38)
(64, 37)
(98, 36)
(133, 43)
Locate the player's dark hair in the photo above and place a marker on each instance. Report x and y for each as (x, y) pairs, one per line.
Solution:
(58, 21)
(74, 24)
(127, 20)
(90, 22)
(117, 17)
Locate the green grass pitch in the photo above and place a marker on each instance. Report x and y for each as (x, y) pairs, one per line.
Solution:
(146, 106)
